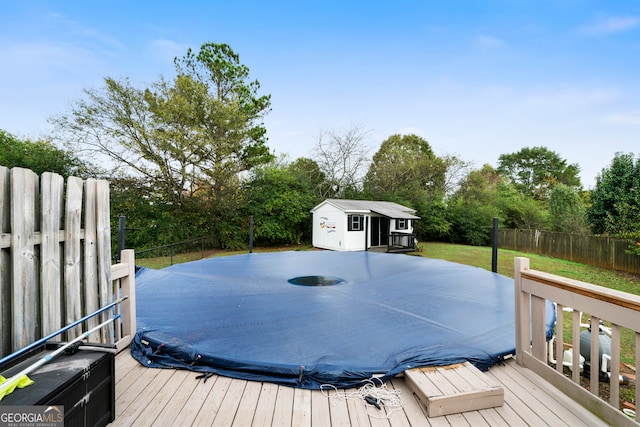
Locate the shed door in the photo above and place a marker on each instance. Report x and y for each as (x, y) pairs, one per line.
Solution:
(379, 231)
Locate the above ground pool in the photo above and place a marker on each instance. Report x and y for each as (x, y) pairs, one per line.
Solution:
(311, 318)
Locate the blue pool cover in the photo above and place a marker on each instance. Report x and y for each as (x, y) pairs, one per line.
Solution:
(239, 316)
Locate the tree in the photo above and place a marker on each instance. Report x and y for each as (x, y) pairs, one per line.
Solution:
(309, 170)
(342, 158)
(405, 163)
(189, 139)
(41, 156)
(280, 198)
(405, 170)
(567, 210)
(520, 211)
(535, 171)
(615, 200)
(473, 206)
(483, 195)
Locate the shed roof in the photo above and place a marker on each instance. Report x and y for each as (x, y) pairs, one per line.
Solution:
(388, 209)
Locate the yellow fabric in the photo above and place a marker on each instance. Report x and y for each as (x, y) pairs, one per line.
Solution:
(21, 382)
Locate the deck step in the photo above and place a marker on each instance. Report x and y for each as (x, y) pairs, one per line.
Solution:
(455, 388)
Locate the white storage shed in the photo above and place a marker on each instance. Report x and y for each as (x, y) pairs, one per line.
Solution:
(361, 225)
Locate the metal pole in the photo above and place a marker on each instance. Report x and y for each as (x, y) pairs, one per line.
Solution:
(251, 234)
(11, 382)
(366, 233)
(122, 230)
(60, 331)
(494, 246)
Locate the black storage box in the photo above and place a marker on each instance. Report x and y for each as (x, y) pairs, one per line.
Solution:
(83, 383)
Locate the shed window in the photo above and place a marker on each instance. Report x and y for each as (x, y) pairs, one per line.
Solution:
(402, 224)
(355, 223)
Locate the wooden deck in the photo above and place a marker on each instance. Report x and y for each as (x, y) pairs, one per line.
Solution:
(167, 397)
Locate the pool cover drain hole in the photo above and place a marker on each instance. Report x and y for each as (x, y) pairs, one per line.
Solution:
(316, 281)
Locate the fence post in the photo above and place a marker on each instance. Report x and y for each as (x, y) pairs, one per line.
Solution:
(251, 234)
(494, 247)
(122, 230)
(523, 336)
(128, 286)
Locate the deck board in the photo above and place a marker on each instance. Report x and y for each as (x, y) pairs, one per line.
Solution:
(248, 404)
(197, 398)
(165, 397)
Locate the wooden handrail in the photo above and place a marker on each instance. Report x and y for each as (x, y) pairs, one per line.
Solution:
(612, 296)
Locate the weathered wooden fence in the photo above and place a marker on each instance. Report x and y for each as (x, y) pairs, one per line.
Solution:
(605, 252)
(55, 258)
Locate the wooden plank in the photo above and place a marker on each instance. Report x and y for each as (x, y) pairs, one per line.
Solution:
(397, 416)
(414, 410)
(538, 329)
(72, 255)
(527, 407)
(301, 415)
(248, 404)
(492, 417)
(453, 389)
(320, 410)
(457, 420)
(169, 401)
(266, 404)
(421, 385)
(5, 263)
(196, 401)
(91, 298)
(125, 364)
(24, 265)
(128, 289)
(129, 392)
(550, 397)
(103, 236)
(229, 406)
(50, 256)
(358, 414)
(212, 404)
(131, 415)
(160, 396)
(184, 389)
(475, 419)
(338, 406)
(283, 410)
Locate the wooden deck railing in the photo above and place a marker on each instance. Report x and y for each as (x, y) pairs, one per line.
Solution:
(620, 309)
(123, 276)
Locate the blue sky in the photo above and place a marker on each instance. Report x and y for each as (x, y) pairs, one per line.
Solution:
(474, 78)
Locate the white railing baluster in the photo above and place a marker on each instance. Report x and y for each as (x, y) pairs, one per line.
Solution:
(559, 338)
(594, 378)
(614, 383)
(575, 342)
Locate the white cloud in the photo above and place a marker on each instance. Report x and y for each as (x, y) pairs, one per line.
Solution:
(628, 118)
(489, 42)
(164, 50)
(571, 98)
(615, 24)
